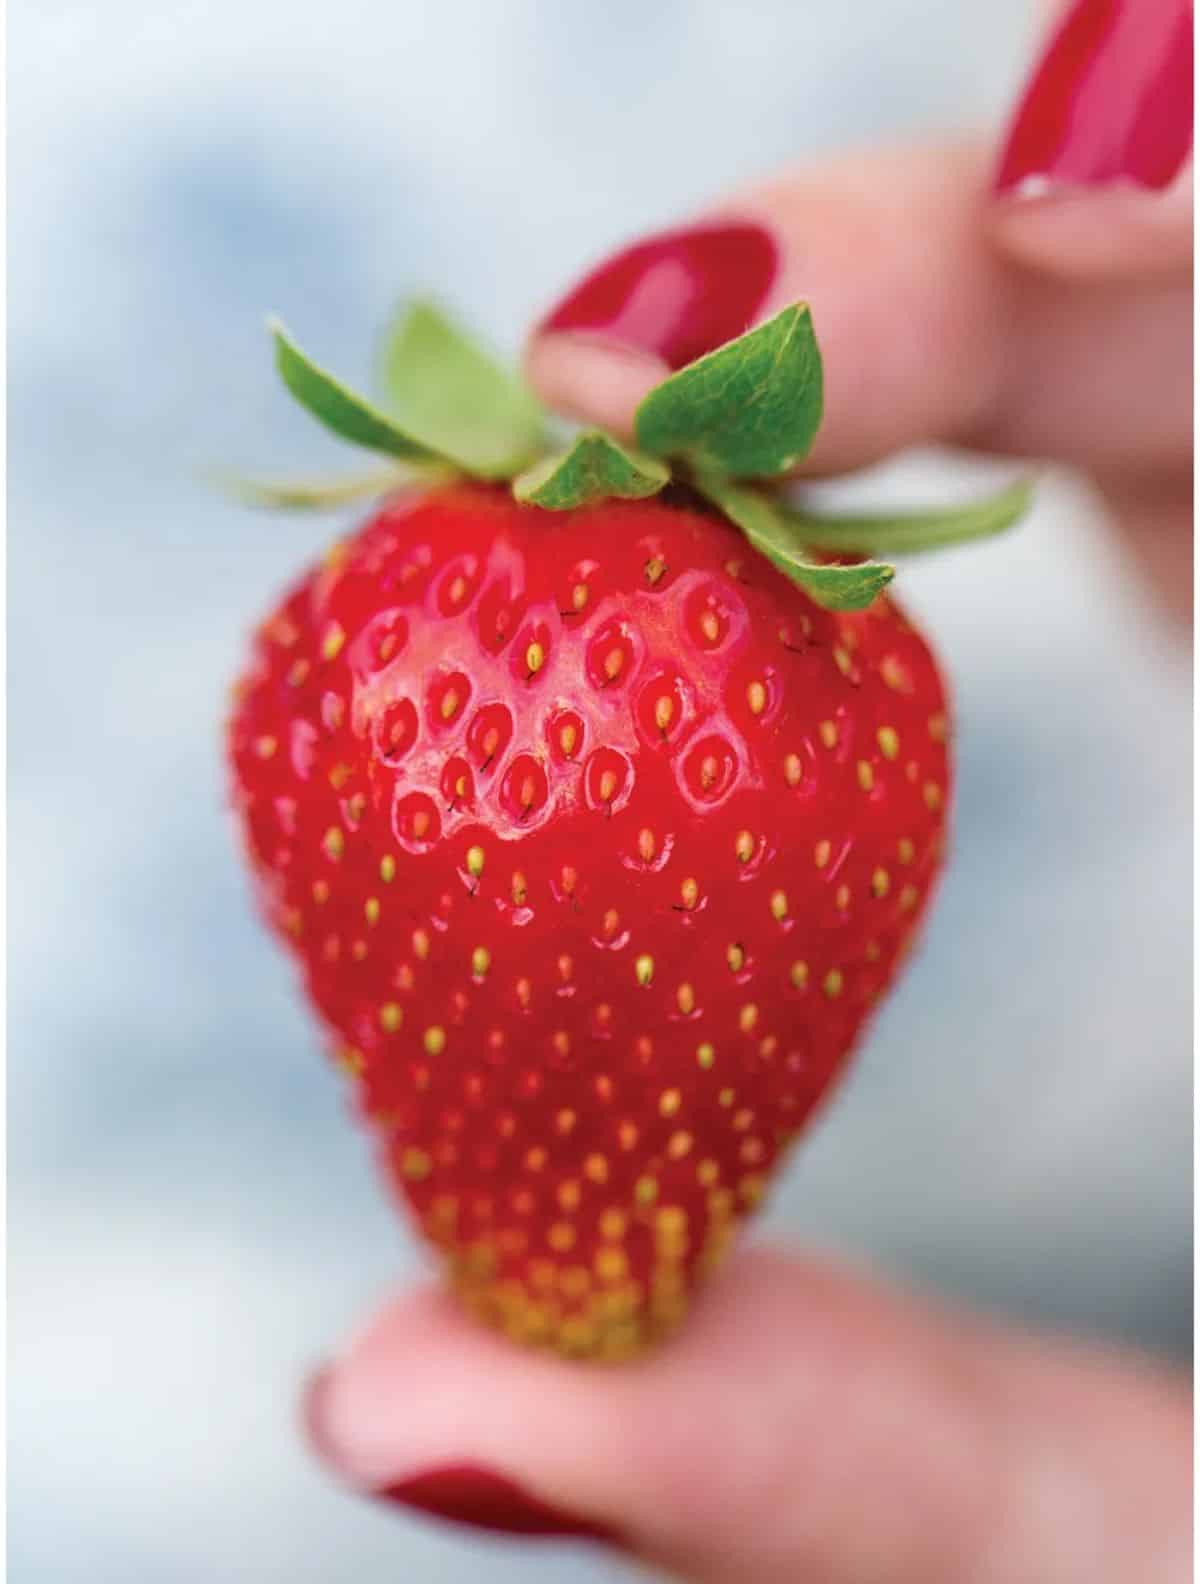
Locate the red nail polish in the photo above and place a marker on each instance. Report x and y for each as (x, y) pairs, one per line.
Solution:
(465, 1493)
(679, 294)
(1111, 99)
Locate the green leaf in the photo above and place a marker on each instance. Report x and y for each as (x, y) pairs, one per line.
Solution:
(750, 409)
(595, 468)
(336, 406)
(911, 532)
(453, 398)
(313, 494)
(834, 587)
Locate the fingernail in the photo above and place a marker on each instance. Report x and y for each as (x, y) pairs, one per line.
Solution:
(676, 295)
(463, 1492)
(467, 1493)
(1109, 101)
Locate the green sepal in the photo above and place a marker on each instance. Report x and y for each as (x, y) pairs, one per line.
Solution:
(751, 409)
(911, 532)
(450, 396)
(339, 408)
(594, 468)
(841, 588)
(315, 494)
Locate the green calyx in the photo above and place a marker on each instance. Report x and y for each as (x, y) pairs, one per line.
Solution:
(727, 427)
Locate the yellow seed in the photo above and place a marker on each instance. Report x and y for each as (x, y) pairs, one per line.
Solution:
(654, 569)
(822, 853)
(646, 845)
(481, 961)
(710, 626)
(747, 1017)
(645, 1191)
(908, 897)
(595, 1169)
(744, 846)
(627, 1135)
(371, 909)
(435, 1039)
(799, 974)
(669, 1102)
(320, 891)
(756, 697)
(535, 1158)
(420, 943)
(264, 747)
(690, 892)
(390, 1017)
(793, 770)
(535, 657)
(567, 738)
(420, 823)
(779, 905)
(299, 670)
(735, 956)
(612, 1224)
(905, 850)
(475, 861)
(678, 1145)
(569, 1194)
(562, 1043)
(768, 1047)
(664, 711)
(561, 1237)
(524, 992)
(742, 1119)
(612, 1264)
(415, 1164)
(842, 659)
(613, 661)
(579, 596)
(608, 785)
(643, 969)
(685, 998)
(387, 868)
(611, 922)
(880, 882)
(866, 776)
(705, 1055)
(519, 888)
(565, 968)
(938, 728)
(841, 897)
(829, 733)
(707, 1173)
(725, 1097)
(872, 951)
(449, 705)
(889, 741)
(564, 1120)
(334, 842)
(332, 643)
(893, 674)
(933, 795)
(833, 982)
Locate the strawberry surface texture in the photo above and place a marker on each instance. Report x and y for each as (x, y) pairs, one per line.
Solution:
(597, 841)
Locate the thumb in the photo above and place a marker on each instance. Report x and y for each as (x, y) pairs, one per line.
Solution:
(806, 1424)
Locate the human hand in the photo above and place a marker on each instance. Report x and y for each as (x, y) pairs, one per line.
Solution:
(808, 1424)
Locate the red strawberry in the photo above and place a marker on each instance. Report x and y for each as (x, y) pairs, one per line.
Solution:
(598, 841)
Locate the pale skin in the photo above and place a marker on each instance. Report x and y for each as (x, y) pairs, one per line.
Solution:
(810, 1425)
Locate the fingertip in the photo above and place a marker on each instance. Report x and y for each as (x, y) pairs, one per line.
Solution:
(590, 379)
(1114, 234)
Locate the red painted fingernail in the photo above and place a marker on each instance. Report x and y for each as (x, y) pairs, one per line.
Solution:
(678, 294)
(1110, 100)
(466, 1493)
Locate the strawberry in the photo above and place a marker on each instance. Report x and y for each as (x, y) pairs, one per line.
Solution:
(597, 841)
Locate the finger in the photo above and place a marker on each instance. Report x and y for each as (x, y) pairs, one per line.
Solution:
(886, 248)
(805, 1424)
(1091, 180)
(929, 332)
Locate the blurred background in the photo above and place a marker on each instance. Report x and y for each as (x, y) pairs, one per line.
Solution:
(193, 1222)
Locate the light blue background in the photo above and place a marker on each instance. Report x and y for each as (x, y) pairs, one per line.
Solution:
(194, 1222)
